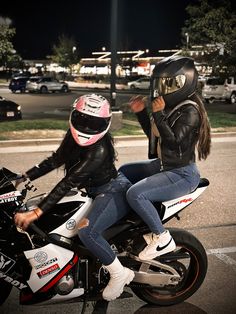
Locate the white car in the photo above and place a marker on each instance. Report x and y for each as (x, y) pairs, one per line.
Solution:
(46, 84)
(142, 83)
(216, 88)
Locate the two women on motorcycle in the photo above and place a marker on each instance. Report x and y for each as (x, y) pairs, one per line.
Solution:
(88, 155)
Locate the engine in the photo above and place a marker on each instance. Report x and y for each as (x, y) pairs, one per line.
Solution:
(65, 285)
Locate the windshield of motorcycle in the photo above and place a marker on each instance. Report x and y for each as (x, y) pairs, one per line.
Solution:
(5, 177)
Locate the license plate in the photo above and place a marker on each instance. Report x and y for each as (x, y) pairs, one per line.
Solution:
(10, 114)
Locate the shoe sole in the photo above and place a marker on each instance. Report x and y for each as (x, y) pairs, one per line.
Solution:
(128, 281)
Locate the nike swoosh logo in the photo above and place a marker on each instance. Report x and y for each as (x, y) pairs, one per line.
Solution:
(163, 247)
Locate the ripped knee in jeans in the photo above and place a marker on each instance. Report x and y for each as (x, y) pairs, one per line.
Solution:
(83, 223)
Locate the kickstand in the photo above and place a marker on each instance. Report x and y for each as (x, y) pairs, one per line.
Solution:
(85, 304)
(100, 307)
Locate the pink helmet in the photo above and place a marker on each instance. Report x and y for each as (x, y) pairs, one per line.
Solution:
(90, 119)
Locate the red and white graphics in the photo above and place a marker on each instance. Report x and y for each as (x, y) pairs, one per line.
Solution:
(46, 263)
(174, 206)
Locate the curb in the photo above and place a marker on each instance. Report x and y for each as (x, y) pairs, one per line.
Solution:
(55, 141)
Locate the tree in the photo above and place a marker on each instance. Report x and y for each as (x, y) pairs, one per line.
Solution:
(6, 46)
(212, 24)
(65, 52)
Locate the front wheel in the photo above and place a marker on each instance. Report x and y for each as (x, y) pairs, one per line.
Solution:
(189, 260)
(65, 89)
(5, 289)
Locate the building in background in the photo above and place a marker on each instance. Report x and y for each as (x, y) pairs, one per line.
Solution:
(129, 63)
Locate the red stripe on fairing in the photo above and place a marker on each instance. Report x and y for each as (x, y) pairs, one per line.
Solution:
(25, 297)
(60, 275)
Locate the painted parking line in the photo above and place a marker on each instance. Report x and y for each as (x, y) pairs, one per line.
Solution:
(221, 254)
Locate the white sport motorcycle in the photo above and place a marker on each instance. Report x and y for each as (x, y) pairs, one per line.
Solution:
(49, 264)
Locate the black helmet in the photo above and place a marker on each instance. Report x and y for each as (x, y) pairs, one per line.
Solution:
(175, 79)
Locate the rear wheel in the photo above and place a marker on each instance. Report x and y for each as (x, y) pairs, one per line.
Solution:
(189, 260)
(43, 90)
(5, 289)
(233, 98)
(210, 100)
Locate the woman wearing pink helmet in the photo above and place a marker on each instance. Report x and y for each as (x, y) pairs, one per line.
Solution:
(88, 155)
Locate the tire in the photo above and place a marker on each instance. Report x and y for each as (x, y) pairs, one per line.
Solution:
(233, 98)
(5, 289)
(64, 89)
(191, 265)
(43, 90)
(211, 100)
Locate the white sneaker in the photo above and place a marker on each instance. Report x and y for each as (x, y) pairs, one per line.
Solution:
(148, 238)
(160, 244)
(119, 277)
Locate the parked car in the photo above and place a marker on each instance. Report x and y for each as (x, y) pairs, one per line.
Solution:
(21, 74)
(141, 83)
(46, 84)
(217, 88)
(9, 110)
(18, 84)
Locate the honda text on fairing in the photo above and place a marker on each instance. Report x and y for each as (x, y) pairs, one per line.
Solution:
(49, 264)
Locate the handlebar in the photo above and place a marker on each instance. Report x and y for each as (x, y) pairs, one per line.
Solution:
(37, 230)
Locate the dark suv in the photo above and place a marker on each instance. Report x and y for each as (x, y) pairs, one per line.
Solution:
(18, 84)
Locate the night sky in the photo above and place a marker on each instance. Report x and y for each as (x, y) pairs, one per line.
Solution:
(142, 24)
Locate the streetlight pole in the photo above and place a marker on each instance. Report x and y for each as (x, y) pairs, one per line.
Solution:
(187, 40)
(114, 7)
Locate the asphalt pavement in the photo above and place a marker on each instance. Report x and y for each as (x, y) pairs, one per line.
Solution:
(211, 219)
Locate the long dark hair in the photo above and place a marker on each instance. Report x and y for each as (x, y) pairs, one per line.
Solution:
(69, 150)
(204, 139)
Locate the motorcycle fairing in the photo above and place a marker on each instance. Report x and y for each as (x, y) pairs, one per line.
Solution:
(66, 214)
(174, 206)
(69, 228)
(47, 263)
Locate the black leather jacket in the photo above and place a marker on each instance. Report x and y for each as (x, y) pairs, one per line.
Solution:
(178, 133)
(85, 167)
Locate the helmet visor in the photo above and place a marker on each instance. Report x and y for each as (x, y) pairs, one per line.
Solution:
(88, 124)
(168, 85)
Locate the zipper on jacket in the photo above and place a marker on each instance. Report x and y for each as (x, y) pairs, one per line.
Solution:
(180, 152)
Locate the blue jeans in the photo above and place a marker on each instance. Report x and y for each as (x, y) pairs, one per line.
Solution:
(109, 206)
(161, 187)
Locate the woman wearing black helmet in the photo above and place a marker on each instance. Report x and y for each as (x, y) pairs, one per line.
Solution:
(178, 124)
(88, 155)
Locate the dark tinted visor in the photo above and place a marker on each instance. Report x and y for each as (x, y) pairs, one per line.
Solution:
(88, 124)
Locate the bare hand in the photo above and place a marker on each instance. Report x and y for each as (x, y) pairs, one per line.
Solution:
(158, 104)
(137, 103)
(23, 220)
